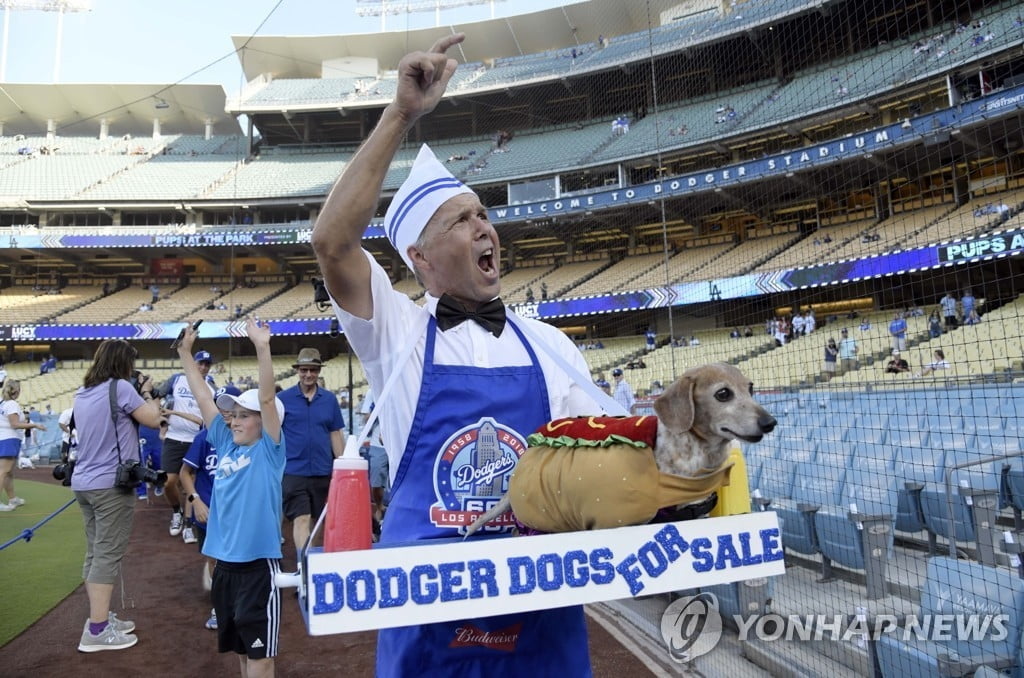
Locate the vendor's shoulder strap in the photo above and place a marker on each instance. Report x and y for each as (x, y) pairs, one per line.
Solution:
(607, 403)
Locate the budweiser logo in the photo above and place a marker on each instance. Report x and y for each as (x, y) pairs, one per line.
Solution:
(502, 639)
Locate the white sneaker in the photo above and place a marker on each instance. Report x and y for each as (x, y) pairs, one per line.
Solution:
(158, 491)
(176, 524)
(188, 535)
(121, 625)
(25, 462)
(7, 507)
(16, 502)
(109, 639)
(211, 623)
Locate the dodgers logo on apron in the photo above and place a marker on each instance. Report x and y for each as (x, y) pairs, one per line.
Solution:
(472, 473)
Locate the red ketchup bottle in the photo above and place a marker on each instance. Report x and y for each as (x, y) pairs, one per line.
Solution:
(347, 526)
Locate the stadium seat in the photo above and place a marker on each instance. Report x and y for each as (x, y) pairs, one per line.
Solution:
(813, 487)
(744, 598)
(918, 467)
(978, 592)
(968, 514)
(858, 532)
(874, 456)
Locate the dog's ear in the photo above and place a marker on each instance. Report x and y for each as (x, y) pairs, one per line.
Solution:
(674, 407)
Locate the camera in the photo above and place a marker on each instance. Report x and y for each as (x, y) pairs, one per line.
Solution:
(63, 471)
(129, 475)
(138, 379)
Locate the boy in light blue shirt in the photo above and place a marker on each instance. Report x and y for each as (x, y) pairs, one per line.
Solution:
(244, 527)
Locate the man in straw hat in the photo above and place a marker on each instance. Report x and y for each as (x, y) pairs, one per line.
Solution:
(483, 375)
(314, 435)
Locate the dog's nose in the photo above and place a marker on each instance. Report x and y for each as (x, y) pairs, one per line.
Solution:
(766, 422)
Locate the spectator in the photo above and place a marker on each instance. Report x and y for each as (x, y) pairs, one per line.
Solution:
(948, 305)
(623, 391)
(898, 331)
(238, 310)
(107, 509)
(934, 325)
(865, 325)
(651, 338)
(896, 364)
(244, 528)
(529, 295)
(747, 331)
(973, 318)
(313, 436)
(848, 351)
(735, 333)
(656, 388)
(967, 303)
(183, 423)
(11, 426)
(831, 353)
(543, 290)
(798, 325)
(940, 363)
(694, 341)
(154, 290)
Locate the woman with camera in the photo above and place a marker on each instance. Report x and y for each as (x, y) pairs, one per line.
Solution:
(110, 404)
(12, 432)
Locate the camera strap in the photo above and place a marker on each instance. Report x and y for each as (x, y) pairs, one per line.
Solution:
(113, 418)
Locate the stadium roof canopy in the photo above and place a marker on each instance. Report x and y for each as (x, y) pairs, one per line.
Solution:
(79, 109)
(575, 23)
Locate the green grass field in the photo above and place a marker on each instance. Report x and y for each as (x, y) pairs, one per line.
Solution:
(39, 573)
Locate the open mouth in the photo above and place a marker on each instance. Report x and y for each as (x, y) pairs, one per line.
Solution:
(486, 262)
(755, 438)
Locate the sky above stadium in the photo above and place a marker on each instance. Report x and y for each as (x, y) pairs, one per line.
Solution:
(142, 41)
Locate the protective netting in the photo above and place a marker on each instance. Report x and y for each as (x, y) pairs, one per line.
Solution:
(826, 195)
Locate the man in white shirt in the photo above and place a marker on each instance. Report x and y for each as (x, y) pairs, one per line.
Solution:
(473, 372)
(623, 391)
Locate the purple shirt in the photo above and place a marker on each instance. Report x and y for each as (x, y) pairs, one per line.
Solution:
(97, 449)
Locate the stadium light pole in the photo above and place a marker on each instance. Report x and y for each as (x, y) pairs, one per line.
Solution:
(59, 6)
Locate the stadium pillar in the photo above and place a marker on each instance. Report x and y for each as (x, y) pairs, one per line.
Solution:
(104, 129)
(51, 131)
(156, 128)
(208, 129)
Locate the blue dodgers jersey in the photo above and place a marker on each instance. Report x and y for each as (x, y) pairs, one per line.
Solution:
(245, 511)
(202, 456)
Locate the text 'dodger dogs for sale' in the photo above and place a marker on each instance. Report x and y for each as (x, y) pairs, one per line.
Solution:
(600, 472)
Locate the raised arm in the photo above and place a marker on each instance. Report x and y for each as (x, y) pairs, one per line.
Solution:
(195, 380)
(259, 335)
(351, 204)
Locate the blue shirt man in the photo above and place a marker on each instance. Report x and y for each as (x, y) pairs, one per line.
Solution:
(898, 330)
(312, 430)
(967, 302)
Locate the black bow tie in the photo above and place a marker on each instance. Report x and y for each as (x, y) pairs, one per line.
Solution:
(490, 316)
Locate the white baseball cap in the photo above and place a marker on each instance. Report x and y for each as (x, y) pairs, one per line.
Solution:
(429, 186)
(250, 400)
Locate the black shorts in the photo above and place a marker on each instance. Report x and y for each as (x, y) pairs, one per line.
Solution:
(248, 605)
(172, 453)
(304, 495)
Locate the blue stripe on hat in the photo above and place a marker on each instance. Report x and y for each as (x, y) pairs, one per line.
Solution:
(415, 196)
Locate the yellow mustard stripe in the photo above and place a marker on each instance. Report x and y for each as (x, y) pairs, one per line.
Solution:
(593, 424)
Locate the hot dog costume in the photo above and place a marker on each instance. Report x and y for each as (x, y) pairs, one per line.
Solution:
(590, 473)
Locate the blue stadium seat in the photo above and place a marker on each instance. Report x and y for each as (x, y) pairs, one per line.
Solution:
(744, 598)
(875, 456)
(867, 431)
(908, 437)
(918, 467)
(813, 487)
(858, 532)
(775, 480)
(957, 587)
(970, 513)
(834, 454)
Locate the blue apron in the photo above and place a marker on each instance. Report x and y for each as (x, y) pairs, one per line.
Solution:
(458, 459)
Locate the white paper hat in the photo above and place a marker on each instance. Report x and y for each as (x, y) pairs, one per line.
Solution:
(428, 187)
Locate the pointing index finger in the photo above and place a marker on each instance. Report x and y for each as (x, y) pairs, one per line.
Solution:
(448, 41)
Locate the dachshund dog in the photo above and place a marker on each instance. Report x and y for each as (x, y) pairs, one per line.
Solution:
(683, 462)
